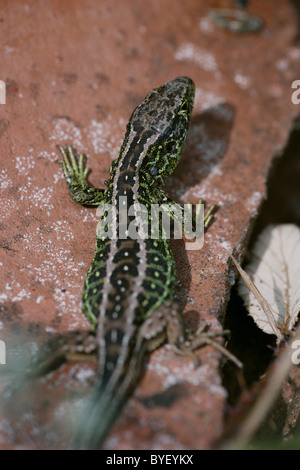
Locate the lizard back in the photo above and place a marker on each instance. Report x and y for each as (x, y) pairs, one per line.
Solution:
(130, 277)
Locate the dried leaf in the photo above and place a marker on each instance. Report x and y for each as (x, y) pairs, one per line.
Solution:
(262, 301)
(275, 272)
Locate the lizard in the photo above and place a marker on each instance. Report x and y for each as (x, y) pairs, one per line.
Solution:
(129, 291)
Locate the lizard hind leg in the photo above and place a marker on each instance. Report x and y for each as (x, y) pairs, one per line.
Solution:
(167, 323)
(203, 337)
(72, 346)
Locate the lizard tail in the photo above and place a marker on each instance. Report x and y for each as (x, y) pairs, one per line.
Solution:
(98, 416)
(105, 405)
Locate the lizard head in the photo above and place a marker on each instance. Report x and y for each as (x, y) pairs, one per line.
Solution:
(161, 121)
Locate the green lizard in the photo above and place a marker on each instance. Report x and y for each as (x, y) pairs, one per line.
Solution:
(128, 295)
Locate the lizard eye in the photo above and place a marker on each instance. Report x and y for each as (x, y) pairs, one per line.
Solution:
(170, 147)
(153, 170)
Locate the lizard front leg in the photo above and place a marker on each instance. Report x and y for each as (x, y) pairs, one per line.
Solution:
(75, 173)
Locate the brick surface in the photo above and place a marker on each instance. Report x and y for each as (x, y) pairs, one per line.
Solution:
(73, 74)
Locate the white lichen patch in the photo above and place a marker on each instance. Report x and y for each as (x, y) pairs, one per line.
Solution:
(51, 156)
(282, 64)
(205, 99)
(58, 176)
(48, 246)
(254, 200)
(89, 216)
(209, 192)
(35, 197)
(55, 263)
(40, 197)
(83, 375)
(3, 297)
(242, 81)
(180, 372)
(7, 208)
(15, 292)
(25, 164)
(189, 52)
(224, 251)
(69, 303)
(49, 272)
(66, 131)
(23, 293)
(49, 329)
(53, 268)
(5, 180)
(63, 230)
(206, 25)
(105, 137)
(294, 53)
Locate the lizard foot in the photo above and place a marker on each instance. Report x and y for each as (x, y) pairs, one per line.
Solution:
(73, 167)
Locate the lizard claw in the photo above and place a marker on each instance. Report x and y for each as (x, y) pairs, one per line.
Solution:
(73, 166)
